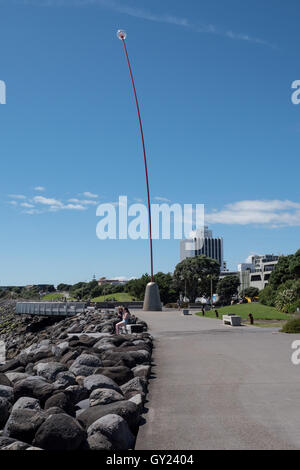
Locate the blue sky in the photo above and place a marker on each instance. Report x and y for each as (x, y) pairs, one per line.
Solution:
(214, 81)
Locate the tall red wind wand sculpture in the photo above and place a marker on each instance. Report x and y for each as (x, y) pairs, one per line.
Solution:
(152, 298)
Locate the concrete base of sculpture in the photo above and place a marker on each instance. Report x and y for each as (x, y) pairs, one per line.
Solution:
(152, 301)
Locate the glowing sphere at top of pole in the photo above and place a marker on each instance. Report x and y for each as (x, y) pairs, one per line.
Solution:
(121, 34)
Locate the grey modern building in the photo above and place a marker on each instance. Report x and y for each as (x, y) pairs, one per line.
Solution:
(203, 243)
(257, 271)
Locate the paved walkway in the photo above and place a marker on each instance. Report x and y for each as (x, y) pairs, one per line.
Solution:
(220, 387)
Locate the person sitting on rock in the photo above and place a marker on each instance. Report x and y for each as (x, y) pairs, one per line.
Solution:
(125, 319)
(120, 312)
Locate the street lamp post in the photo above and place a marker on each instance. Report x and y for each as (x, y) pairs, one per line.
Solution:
(183, 278)
(152, 298)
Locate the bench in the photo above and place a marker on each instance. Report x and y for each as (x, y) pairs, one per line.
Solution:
(130, 329)
(231, 319)
(185, 311)
(134, 328)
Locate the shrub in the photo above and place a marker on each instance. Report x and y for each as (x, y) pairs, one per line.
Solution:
(267, 296)
(174, 305)
(292, 308)
(288, 296)
(284, 300)
(292, 326)
(251, 292)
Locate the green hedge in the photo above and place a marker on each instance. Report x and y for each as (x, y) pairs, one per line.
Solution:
(174, 305)
(292, 326)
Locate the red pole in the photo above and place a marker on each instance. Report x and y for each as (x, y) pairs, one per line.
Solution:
(122, 36)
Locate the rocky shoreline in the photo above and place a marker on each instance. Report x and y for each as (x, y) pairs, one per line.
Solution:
(72, 384)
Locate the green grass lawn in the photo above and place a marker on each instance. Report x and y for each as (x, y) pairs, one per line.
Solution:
(119, 296)
(259, 312)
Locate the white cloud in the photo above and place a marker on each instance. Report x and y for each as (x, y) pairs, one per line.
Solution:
(91, 195)
(246, 37)
(272, 213)
(162, 199)
(76, 207)
(178, 21)
(118, 203)
(93, 203)
(147, 15)
(17, 196)
(56, 205)
(47, 201)
(50, 204)
(83, 201)
(264, 205)
(32, 211)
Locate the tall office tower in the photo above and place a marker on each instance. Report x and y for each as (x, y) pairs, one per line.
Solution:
(202, 243)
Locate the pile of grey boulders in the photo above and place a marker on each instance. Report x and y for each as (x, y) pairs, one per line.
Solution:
(73, 384)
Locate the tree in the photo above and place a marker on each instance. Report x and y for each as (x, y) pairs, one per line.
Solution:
(96, 292)
(282, 272)
(136, 287)
(295, 265)
(80, 291)
(283, 290)
(167, 288)
(267, 296)
(16, 290)
(3, 293)
(227, 288)
(194, 276)
(63, 287)
(251, 292)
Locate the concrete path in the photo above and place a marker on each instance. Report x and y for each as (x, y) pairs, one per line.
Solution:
(220, 387)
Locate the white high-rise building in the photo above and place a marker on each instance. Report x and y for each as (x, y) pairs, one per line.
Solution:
(202, 243)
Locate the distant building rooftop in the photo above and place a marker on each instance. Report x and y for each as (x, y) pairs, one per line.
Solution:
(103, 280)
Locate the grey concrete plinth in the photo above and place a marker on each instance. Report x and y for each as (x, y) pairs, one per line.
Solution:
(152, 301)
